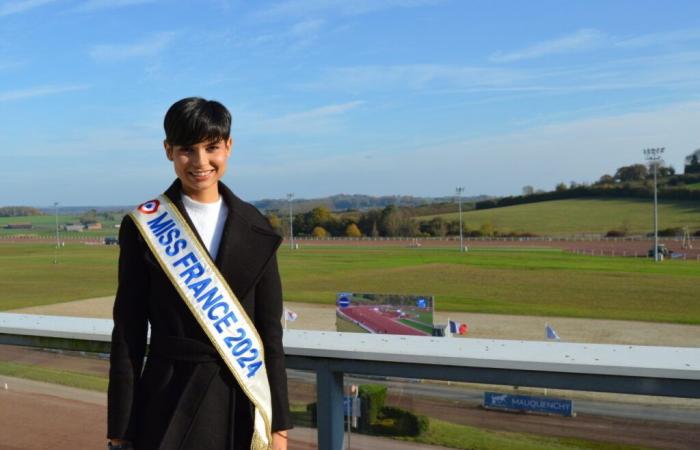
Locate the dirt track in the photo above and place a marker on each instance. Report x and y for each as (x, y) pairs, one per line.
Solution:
(485, 326)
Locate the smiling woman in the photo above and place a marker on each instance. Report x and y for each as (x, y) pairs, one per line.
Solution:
(191, 393)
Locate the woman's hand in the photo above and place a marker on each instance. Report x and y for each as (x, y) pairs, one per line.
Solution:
(279, 440)
(121, 442)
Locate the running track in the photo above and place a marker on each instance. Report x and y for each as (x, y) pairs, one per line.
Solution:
(378, 322)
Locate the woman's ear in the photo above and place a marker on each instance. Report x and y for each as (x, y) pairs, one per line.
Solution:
(168, 150)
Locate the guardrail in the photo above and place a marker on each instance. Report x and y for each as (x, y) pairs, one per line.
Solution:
(628, 369)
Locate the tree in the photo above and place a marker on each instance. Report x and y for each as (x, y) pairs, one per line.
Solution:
(606, 179)
(561, 187)
(692, 162)
(528, 190)
(353, 231)
(487, 229)
(319, 232)
(375, 230)
(437, 227)
(390, 222)
(275, 221)
(635, 172)
(666, 171)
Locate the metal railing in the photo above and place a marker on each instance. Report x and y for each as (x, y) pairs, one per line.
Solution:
(626, 369)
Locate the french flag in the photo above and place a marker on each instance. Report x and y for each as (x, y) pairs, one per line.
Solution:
(457, 327)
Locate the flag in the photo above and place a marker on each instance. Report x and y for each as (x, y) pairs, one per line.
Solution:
(457, 327)
(290, 315)
(550, 333)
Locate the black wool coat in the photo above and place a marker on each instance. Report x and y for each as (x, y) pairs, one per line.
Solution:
(186, 398)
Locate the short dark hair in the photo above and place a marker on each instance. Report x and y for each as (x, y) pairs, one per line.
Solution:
(194, 119)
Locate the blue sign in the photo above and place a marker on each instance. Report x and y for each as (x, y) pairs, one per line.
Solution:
(351, 406)
(545, 405)
(343, 301)
(421, 303)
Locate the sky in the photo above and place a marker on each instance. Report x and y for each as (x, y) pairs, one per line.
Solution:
(377, 97)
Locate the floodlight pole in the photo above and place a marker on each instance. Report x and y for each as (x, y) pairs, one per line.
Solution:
(58, 242)
(653, 155)
(460, 189)
(290, 198)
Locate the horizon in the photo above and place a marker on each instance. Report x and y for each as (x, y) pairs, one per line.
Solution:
(328, 96)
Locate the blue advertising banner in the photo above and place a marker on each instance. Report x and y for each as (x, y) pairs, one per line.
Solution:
(545, 405)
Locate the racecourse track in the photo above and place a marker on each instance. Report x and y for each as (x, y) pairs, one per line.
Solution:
(377, 321)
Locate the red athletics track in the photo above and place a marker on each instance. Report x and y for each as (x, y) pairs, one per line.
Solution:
(379, 322)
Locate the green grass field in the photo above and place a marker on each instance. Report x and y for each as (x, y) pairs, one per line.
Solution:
(569, 217)
(693, 187)
(522, 282)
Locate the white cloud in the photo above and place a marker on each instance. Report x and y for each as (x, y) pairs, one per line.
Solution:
(670, 37)
(305, 8)
(415, 77)
(95, 5)
(580, 40)
(20, 6)
(321, 120)
(39, 91)
(121, 52)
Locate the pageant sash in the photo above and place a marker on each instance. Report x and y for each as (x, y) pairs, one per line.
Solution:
(210, 299)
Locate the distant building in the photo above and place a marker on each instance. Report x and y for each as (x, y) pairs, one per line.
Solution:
(18, 226)
(74, 227)
(93, 226)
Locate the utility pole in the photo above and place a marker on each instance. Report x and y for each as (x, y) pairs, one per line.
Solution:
(460, 189)
(58, 242)
(290, 199)
(653, 155)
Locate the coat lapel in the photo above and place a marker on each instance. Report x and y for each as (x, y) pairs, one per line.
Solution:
(245, 248)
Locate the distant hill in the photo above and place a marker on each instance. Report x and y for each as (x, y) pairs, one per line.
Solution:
(345, 202)
(582, 216)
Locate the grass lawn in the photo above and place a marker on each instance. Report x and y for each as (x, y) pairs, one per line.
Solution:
(470, 438)
(524, 282)
(693, 187)
(465, 437)
(30, 278)
(583, 216)
(55, 376)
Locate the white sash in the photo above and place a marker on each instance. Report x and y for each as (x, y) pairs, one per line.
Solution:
(210, 299)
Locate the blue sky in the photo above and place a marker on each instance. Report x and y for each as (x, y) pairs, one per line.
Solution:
(376, 97)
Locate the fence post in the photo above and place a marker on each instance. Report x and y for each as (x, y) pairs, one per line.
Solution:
(329, 413)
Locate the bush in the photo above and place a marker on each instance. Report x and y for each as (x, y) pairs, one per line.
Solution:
(616, 233)
(671, 232)
(312, 408)
(319, 232)
(399, 422)
(372, 398)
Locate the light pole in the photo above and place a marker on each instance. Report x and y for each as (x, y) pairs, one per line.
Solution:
(460, 189)
(290, 198)
(653, 155)
(58, 242)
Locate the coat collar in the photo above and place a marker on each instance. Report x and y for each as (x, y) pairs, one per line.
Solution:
(247, 245)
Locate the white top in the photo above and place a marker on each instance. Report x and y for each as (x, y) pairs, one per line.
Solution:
(208, 219)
